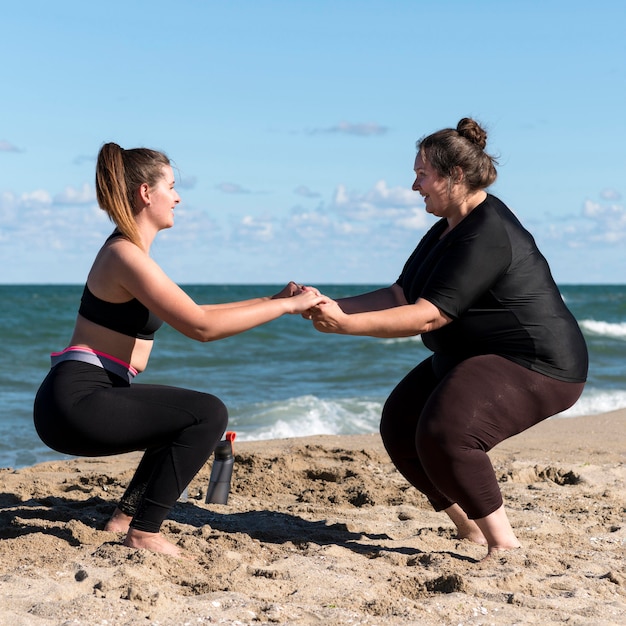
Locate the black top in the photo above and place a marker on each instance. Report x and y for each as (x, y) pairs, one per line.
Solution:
(129, 318)
(488, 275)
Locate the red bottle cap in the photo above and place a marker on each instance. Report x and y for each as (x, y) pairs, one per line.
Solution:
(230, 436)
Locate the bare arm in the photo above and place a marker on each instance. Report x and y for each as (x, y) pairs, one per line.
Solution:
(291, 289)
(143, 279)
(380, 299)
(399, 321)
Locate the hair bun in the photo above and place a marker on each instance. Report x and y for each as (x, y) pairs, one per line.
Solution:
(472, 131)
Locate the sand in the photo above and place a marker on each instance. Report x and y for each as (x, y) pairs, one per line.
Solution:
(323, 530)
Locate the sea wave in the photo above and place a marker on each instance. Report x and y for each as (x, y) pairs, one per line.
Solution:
(295, 417)
(309, 415)
(598, 328)
(594, 401)
(304, 416)
(604, 329)
(414, 338)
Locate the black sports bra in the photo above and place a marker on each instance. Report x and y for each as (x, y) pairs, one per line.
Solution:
(129, 318)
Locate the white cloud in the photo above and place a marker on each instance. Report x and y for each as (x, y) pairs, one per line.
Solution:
(6, 146)
(415, 220)
(187, 182)
(611, 194)
(85, 195)
(8, 203)
(254, 228)
(591, 209)
(612, 237)
(599, 223)
(305, 192)
(83, 158)
(398, 206)
(608, 220)
(231, 188)
(369, 233)
(320, 227)
(308, 222)
(63, 232)
(193, 229)
(367, 129)
(35, 199)
(36, 222)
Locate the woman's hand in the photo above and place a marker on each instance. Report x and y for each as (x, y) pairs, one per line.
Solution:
(289, 290)
(293, 289)
(328, 317)
(398, 321)
(307, 299)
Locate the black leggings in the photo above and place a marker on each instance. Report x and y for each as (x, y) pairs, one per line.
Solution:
(438, 429)
(82, 409)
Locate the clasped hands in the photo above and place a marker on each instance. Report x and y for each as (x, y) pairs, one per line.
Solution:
(324, 312)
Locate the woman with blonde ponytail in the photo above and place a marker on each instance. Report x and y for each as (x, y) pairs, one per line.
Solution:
(89, 404)
(114, 180)
(507, 353)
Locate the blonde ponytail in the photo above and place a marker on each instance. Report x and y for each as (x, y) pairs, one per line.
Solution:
(119, 174)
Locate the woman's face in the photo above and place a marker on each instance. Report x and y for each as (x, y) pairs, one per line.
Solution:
(434, 189)
(163, 198)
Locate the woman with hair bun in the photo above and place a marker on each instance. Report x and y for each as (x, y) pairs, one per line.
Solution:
(87, 405)
(507, 353)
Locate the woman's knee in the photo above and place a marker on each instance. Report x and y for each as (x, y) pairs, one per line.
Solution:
(219, 411)
(402, 409)
(393, 428)
(439, 440)
(386, 426)
(209, 421)
(214, 416)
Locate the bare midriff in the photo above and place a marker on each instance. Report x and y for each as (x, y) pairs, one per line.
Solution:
(131, 350)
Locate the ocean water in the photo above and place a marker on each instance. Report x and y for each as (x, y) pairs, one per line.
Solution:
(282, 379)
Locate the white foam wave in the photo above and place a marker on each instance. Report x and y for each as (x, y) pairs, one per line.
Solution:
(413, 338)
(604, 329)
(307, 415)
(593, 402)
(614, 330)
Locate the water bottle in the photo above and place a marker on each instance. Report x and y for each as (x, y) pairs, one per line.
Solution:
(221, 472)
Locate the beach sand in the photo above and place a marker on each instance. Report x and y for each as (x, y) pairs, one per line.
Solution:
(323, 530)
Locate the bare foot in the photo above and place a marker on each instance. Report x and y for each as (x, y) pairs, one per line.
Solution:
(119, 522)
(473, 536)
(155, 542)
(466, 528)
(503, 555)
(497, 530)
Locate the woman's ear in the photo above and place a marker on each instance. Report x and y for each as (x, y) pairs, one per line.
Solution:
(457, 175)
(144, 193)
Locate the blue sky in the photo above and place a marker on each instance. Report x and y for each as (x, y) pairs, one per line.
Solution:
(292, 125)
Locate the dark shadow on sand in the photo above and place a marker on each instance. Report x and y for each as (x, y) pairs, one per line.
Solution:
(263, 525)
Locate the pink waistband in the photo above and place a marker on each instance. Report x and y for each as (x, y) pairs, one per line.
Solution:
(102, 359)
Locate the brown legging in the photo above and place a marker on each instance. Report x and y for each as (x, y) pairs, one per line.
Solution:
(438, 430)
